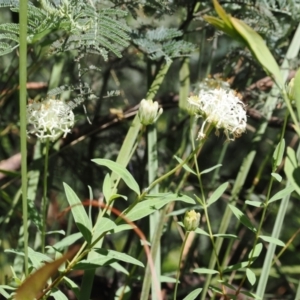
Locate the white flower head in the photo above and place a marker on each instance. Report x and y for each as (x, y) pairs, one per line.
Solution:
(149, 112)
(49, 118)
(221, 108)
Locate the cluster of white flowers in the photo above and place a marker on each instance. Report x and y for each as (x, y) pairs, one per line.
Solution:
(220, 107)
(49, 119)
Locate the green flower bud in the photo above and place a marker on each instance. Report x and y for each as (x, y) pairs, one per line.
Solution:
(290, 90)
(191, 220)
(149, 112)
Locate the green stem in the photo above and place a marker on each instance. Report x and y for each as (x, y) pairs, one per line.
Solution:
(179, 263)
(23, 133)
(275, 233)
(44, 201)
(154, 218)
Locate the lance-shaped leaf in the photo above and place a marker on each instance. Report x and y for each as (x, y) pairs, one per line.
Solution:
(241, 32)
(259, 49)
(224, 23)
(120, 171)
(81, 218)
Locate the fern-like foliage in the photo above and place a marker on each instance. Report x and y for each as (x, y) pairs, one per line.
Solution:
(162, 42)
(82, 24)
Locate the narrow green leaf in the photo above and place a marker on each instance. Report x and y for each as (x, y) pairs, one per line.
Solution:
(217, 194)
(37, 259)
(259, 49)
(296, 91)
(242, 218)
(237, 266)
(226, 236)
(121, 171)
(272, 240)
(4, 293)
(67, 241)
(119, 268)
(278, 153)
(185, 166)
(119, 256)
(292, 170)
(156, 202)
(256, 251)
(56, 232)
(250, 276)
(254, 203)
(276, 176)
(193, 295)
(222, 14)
(201, 231)
(102, 225)
(106, 188)
(82, 221)
(205, 271)
(211, 169)
(224, 24)
(72, 285)
(167, 279)
(58, 295)
(281, 194)
(232, 287)
(251, 295)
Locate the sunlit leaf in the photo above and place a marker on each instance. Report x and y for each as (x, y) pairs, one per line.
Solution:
(242, 218)
(226, 236)
(154, 203)
(256, 251)
(250, 276)
(277, 176)
(254, 203)
(201, 231)
(81, 218)
(217, 194)
(67, 241)
(259, 49)
(121, 171)
(185, 166)
(205, 271)
(272, 240)
(251, 295)
(119, 256)
(281, 194)
(102, 225)
(193, 295)
(106, 188)
(211, 169)
(58, 295)
(278, 153)
(237, 266)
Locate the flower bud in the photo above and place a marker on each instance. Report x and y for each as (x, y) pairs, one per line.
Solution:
(290, 90)
(191, 220)
(149, 112)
